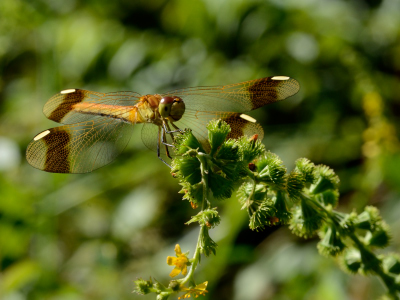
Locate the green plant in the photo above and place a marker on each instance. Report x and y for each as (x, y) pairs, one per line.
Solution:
(304, 199)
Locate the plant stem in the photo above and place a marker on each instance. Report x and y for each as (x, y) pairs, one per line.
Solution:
(196, 256)
(202, 157)
(376, 267)
(196, 259)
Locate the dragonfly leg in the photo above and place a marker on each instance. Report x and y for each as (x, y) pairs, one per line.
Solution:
(164, 137)
(160, 133)
(163, 131)
(163, 140)
(168, 129)
(177, 128)
(167, 152)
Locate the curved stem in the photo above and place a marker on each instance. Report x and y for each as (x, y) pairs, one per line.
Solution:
(368, 255)
(376, 267)
(202, 157)
(196, 259)
(248, 201)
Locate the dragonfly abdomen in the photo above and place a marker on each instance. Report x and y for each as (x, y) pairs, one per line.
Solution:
(127, 114)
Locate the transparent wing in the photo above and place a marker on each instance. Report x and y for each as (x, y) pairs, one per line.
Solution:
(241, 125)
(239, 97)
(228, 102)
(150, 140)
(81, 147)
(150, 136)
(75, 105)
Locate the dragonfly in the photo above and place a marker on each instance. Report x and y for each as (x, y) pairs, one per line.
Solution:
(98, 126)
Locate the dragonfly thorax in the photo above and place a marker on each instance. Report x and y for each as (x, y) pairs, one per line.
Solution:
(171, 108)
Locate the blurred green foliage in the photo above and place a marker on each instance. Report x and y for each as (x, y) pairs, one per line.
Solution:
(89, 236)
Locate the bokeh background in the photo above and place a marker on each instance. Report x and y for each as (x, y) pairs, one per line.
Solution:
(89, 236)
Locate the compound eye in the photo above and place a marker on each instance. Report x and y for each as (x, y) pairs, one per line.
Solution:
(164, 108)
(167, 100)
(177, 109)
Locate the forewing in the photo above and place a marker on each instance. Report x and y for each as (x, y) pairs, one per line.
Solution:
(241, 125)
(63, 107)
(239, 97)
(79, 148)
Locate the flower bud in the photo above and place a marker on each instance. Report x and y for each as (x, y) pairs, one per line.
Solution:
(352, 260)
(307, 169)
(331, 243)
(218, 130)
(391, 264)
(326, 179)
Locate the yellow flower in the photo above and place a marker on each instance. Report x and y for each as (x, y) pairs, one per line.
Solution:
(199, 289)
(180, 262)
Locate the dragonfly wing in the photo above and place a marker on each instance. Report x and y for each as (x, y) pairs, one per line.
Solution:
(150, 136)
(150, 140)
(241, 125)
(239, 97)
(76, 105)
(79, 148)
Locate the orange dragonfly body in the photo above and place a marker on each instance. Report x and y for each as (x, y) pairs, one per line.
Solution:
(98, 126)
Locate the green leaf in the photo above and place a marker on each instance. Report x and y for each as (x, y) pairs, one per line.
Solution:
(307, 169)
(247, 196)
(186, 141)
(263, 215)
(329, 197)
(207, 245)
(143, 287)
(229, 150)
(379, 237)
(193, 192)
(281, 208)
(250, 149)
(352, 260)
(295, 185)
(391, 263)
(325, 179)
(187, 168)
(221, 187)
(272, 171)
(307, 219)
(218, 130)
(208, 217)
(331, 244)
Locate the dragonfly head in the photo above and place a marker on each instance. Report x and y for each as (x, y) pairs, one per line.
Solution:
(171, 107)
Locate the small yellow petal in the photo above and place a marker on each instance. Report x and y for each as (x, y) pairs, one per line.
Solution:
(184, 270)
(175, 272)
(202, 286)
(171, 260)
(178, 250)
